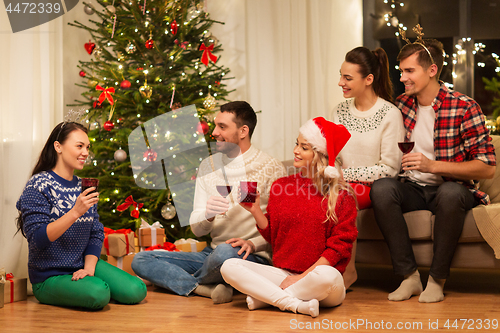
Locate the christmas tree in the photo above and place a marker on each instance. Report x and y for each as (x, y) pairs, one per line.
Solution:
(145, 59)
(493, 85)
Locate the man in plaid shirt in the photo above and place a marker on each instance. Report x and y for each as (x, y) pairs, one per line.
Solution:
(452, 150)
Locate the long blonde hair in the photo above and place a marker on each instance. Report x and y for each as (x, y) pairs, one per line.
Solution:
(328, 187)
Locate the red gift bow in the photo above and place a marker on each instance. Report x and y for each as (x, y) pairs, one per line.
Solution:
(109, 231)
(165, 246)
(207, 53)
(10, 277)
(181, 45)
(128, 202)
(106, 94)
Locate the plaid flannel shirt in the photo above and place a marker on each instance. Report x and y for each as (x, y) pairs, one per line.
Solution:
(460, 133)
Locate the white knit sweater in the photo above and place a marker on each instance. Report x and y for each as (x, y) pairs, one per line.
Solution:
(372, 151)
(253, 165)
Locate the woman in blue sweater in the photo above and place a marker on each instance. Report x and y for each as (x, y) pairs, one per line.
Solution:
(63, 230)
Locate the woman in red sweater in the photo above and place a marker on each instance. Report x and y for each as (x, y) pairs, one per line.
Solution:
(310, 224)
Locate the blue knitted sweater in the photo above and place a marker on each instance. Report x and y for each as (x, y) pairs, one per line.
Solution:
(46, 198)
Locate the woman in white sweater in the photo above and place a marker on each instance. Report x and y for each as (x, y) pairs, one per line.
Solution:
(375, 124)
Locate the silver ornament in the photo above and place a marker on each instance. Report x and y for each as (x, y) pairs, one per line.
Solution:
(120, 155)
(88, 10)
(168, 211)
(112, 9)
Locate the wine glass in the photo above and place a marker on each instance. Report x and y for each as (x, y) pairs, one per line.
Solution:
(224, 191)
(406, 147)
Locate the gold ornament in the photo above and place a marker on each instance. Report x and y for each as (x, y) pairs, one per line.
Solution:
(498, 122)
(120, 56)
(92, 83)
(209, 102)
(146, 90)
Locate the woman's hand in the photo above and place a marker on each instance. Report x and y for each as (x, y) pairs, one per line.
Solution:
(85, 201)
(81, 273)
(251, 207)
(246, 246)
(289, 280)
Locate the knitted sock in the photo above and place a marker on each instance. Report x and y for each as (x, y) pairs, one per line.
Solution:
(433, 291)
(309, 308)
(222, 294)
(204, 290)
(254, 304)
(410, 286)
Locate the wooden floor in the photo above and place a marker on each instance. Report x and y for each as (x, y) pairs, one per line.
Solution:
(472, 295)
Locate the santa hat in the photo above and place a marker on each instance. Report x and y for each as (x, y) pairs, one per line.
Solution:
(327, 138)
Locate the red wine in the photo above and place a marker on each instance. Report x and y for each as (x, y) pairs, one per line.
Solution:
(406, 147)
(90, 182)
(224, 190)
(248, 191)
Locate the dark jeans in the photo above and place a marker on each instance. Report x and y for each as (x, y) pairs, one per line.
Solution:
(449, 202)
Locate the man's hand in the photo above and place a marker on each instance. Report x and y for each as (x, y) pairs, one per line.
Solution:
(215, 206)
(417, 161)
(246, 246)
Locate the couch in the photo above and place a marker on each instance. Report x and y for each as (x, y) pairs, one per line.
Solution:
(480, 235)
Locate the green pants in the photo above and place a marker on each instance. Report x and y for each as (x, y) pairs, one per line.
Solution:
(92, 292)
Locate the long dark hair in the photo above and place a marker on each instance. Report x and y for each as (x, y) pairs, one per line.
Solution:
(48, 157)
(376, 63)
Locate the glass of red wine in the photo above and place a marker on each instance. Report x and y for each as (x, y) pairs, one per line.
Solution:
(224, 191)
(406, 147)
(90, 182)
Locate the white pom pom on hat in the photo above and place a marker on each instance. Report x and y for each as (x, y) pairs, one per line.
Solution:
(328, 138)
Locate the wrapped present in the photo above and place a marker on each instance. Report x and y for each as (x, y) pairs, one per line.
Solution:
(15, 289)
(150, 235)
(2, 284)
(190, 245)
(118, 243)
(124, 263)
(167, 246)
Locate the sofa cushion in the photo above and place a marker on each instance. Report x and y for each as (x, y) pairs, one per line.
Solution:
(419, 225)
(492, 186)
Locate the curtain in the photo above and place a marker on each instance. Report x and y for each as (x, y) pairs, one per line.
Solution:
(285, 57)
(30, 106)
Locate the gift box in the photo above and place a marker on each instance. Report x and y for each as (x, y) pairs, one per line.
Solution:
(15, 289)
(150, 235)
(190, 245)
(124, 263)
(118, 243)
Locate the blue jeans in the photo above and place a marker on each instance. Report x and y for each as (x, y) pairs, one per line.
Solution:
(182, 272)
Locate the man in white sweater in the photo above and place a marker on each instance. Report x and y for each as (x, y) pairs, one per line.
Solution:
(233, 235)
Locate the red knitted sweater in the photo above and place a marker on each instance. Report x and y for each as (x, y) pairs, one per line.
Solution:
(297, 232)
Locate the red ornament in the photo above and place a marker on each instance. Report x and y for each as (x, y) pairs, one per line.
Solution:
(149, 44)
(82, 73)
(174, 27)
(140, 68)
(108, 126)
(203, 128)
(97, 105)
(89, 47)
(125, 84)
(150, 155)
(217, 83)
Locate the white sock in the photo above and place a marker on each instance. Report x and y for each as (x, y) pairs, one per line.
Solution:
(309, 308)
(254, 304)
(410, 286)
(433, 291)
